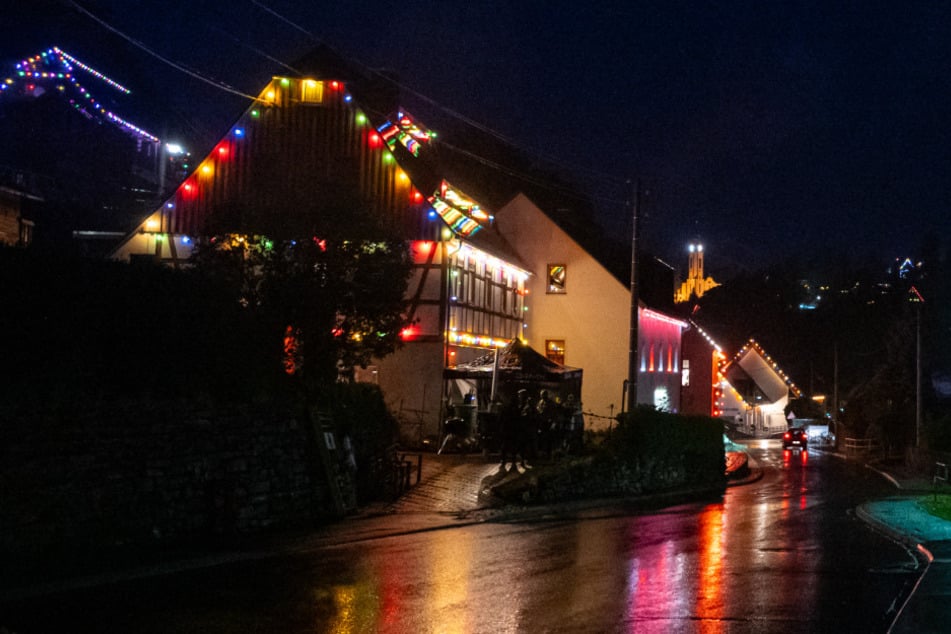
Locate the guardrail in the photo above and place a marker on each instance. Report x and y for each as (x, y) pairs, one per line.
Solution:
(940, 473)
(860, 446)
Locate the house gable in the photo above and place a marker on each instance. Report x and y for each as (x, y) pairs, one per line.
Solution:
(590, 316)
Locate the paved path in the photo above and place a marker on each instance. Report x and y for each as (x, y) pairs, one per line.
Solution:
(450, 484)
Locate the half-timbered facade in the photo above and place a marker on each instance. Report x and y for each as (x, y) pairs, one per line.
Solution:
(314, 144)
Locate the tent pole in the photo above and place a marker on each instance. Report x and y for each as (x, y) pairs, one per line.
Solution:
(495, 373)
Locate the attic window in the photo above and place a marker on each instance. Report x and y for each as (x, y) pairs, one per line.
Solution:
(556, 279)
(311, 91)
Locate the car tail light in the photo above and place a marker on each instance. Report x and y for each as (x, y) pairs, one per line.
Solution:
(787, 435)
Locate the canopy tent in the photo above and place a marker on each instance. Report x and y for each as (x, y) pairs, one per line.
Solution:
(477, 391)
(519, 366)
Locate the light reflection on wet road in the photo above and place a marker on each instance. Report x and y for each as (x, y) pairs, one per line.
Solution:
(779, 555)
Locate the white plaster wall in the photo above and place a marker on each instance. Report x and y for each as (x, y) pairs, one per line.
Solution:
(593, 316)
(411, 380)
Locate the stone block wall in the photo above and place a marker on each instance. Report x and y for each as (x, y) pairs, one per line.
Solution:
(594, 477)
(154, 475)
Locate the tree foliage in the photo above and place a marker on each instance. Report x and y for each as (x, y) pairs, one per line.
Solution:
(804, 407)
(328, 300)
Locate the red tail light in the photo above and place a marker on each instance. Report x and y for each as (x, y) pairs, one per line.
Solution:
(787, 435)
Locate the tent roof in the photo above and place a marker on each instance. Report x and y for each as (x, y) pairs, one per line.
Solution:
(517, 359)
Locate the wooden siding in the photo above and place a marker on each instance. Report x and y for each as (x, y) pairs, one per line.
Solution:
(285, 155)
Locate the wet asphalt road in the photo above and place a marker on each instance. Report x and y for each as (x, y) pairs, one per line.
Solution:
(784, 554)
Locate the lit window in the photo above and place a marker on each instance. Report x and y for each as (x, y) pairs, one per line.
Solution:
(311, 91)
(556, 278)
(685, 373)
(555, 350)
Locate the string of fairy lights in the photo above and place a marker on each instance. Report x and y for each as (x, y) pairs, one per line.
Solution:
(614, 180)
(723, 363)
(754, 345)
(55, 68)
(410, 137)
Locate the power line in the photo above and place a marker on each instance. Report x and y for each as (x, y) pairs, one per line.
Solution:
(254, 49)
(145, 48)
(527, 177)
(467, 120)
(446, 109)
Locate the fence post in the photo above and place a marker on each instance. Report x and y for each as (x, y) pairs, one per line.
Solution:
(940, 475)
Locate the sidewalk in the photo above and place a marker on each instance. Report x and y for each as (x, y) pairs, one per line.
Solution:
(928, 608)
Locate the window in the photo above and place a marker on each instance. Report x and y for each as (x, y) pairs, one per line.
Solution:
(556, 278)
(685, 374)
(555, 350)
(311, 91)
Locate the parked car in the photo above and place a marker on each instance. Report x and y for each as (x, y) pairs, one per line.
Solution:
(795, 438)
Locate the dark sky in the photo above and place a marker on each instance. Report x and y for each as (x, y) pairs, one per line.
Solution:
(763, 128)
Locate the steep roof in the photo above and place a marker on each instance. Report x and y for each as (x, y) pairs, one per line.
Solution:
(315, 144)
(753, 373)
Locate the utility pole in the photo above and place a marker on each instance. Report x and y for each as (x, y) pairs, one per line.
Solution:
(918, 378)
(919, 300)
(632, 350)
(835, 385)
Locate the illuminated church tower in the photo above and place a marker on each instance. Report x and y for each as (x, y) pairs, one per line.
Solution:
(695, 284)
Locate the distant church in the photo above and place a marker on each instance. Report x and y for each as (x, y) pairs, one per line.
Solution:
(695, 284)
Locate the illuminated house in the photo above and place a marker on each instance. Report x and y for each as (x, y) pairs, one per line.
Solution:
(305, 139)
(580, 316)
(322, 137)
(702, 383)
(67, 144)
(16, 227)
(755, 391)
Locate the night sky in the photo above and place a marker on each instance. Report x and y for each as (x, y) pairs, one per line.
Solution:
(762, 128)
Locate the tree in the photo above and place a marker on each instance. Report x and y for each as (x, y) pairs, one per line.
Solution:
(327, 299)
(804, 407)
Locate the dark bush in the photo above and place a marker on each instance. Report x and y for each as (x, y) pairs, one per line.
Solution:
(652, 439)
(83, 330)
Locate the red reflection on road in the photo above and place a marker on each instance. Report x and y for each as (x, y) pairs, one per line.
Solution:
(709, 596)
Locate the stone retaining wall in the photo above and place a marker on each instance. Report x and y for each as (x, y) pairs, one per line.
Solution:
(154, 475)
(597, 477)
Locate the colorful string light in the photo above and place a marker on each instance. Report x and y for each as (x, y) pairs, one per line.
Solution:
(55, 65)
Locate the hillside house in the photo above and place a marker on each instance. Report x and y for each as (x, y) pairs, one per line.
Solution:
(482, 278)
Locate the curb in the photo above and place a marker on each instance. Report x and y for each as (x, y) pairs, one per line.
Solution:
(923, 554)
(755, 474)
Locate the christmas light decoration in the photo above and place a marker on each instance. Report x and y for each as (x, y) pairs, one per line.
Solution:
(54, 68)
(406, 131)
(752, 344)
(470, 339)
(456, 210)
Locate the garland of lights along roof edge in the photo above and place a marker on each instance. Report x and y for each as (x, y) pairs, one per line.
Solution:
(56, 68)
